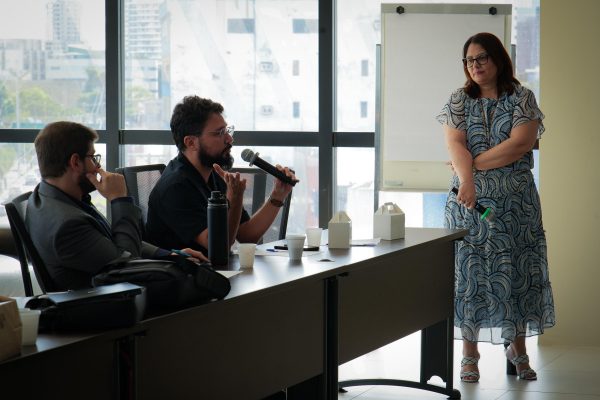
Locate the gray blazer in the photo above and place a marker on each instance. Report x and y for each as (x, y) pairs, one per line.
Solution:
(73, 244)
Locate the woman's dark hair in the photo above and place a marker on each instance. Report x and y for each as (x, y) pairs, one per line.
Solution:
(505, 80)
(57, 142)
(190, 116)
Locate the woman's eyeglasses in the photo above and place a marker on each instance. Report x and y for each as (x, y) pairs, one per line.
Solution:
(481, 59)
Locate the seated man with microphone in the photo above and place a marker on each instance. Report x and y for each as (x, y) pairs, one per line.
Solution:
(177, 208)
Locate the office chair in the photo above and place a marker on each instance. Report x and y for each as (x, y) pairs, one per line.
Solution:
(140, 180)
(258, 187)
(16, 211)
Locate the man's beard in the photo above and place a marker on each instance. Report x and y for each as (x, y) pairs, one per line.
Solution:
(85, 185)
(224, 160)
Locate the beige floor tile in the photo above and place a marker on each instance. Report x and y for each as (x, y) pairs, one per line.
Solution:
(576, 382)
(516, 395)
(584, 359)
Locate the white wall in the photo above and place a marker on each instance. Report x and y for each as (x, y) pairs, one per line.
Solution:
(570, 165)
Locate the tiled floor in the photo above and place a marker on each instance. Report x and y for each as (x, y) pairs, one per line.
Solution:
(564, 373)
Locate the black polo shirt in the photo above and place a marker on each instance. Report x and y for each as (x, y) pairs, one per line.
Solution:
(177, 206)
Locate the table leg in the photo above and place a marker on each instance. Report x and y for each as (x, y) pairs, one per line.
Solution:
(437, 357)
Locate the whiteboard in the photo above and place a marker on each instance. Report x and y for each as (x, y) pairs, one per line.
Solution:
(420, 66)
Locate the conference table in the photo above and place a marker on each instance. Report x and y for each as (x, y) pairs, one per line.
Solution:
(285, 325)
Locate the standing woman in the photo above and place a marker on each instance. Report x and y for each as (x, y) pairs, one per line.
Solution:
(503, 292)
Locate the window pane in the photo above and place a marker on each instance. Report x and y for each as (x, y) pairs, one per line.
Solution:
(355, 195)
(138, 154)
(19, 173)
(422, 210)
(56, 73)
(242, 54)
(526, 35)
(358, 32)
(303, 160)
(354, 189)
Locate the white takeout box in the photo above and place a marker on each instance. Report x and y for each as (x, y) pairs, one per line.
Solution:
(388, 222)
(339, 231)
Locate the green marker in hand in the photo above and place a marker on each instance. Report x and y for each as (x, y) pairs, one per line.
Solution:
(485, 212)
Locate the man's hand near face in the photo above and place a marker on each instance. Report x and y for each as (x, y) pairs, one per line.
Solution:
(110, 185)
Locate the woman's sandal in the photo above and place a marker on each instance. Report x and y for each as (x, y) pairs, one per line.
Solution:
(469, 376)
(526, 374)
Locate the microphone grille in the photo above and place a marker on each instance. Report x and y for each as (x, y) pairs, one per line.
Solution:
(247, 155)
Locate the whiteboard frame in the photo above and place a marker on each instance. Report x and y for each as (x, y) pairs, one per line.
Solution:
(437, 182)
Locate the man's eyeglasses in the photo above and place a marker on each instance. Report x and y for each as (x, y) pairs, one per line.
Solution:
(230, 130)
(96, 158)
(481, 59)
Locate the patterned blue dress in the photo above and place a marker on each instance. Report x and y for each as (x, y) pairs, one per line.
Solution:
(502, 284)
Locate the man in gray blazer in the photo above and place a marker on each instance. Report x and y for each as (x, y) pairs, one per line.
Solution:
(73, 238)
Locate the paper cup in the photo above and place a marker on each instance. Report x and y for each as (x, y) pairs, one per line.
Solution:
(30, 320)
(295, 244)
(246, 252)
(313, 236)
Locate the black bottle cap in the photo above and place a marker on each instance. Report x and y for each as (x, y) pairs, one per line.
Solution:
(217, 196)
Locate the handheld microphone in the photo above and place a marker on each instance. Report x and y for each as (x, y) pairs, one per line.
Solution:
(485, 212)
(253, 158)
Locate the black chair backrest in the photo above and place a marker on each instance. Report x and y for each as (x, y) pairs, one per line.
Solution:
(258, 187)
(16, 211)
(140, 180)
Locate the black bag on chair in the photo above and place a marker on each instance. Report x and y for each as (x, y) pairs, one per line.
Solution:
(169, 283)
